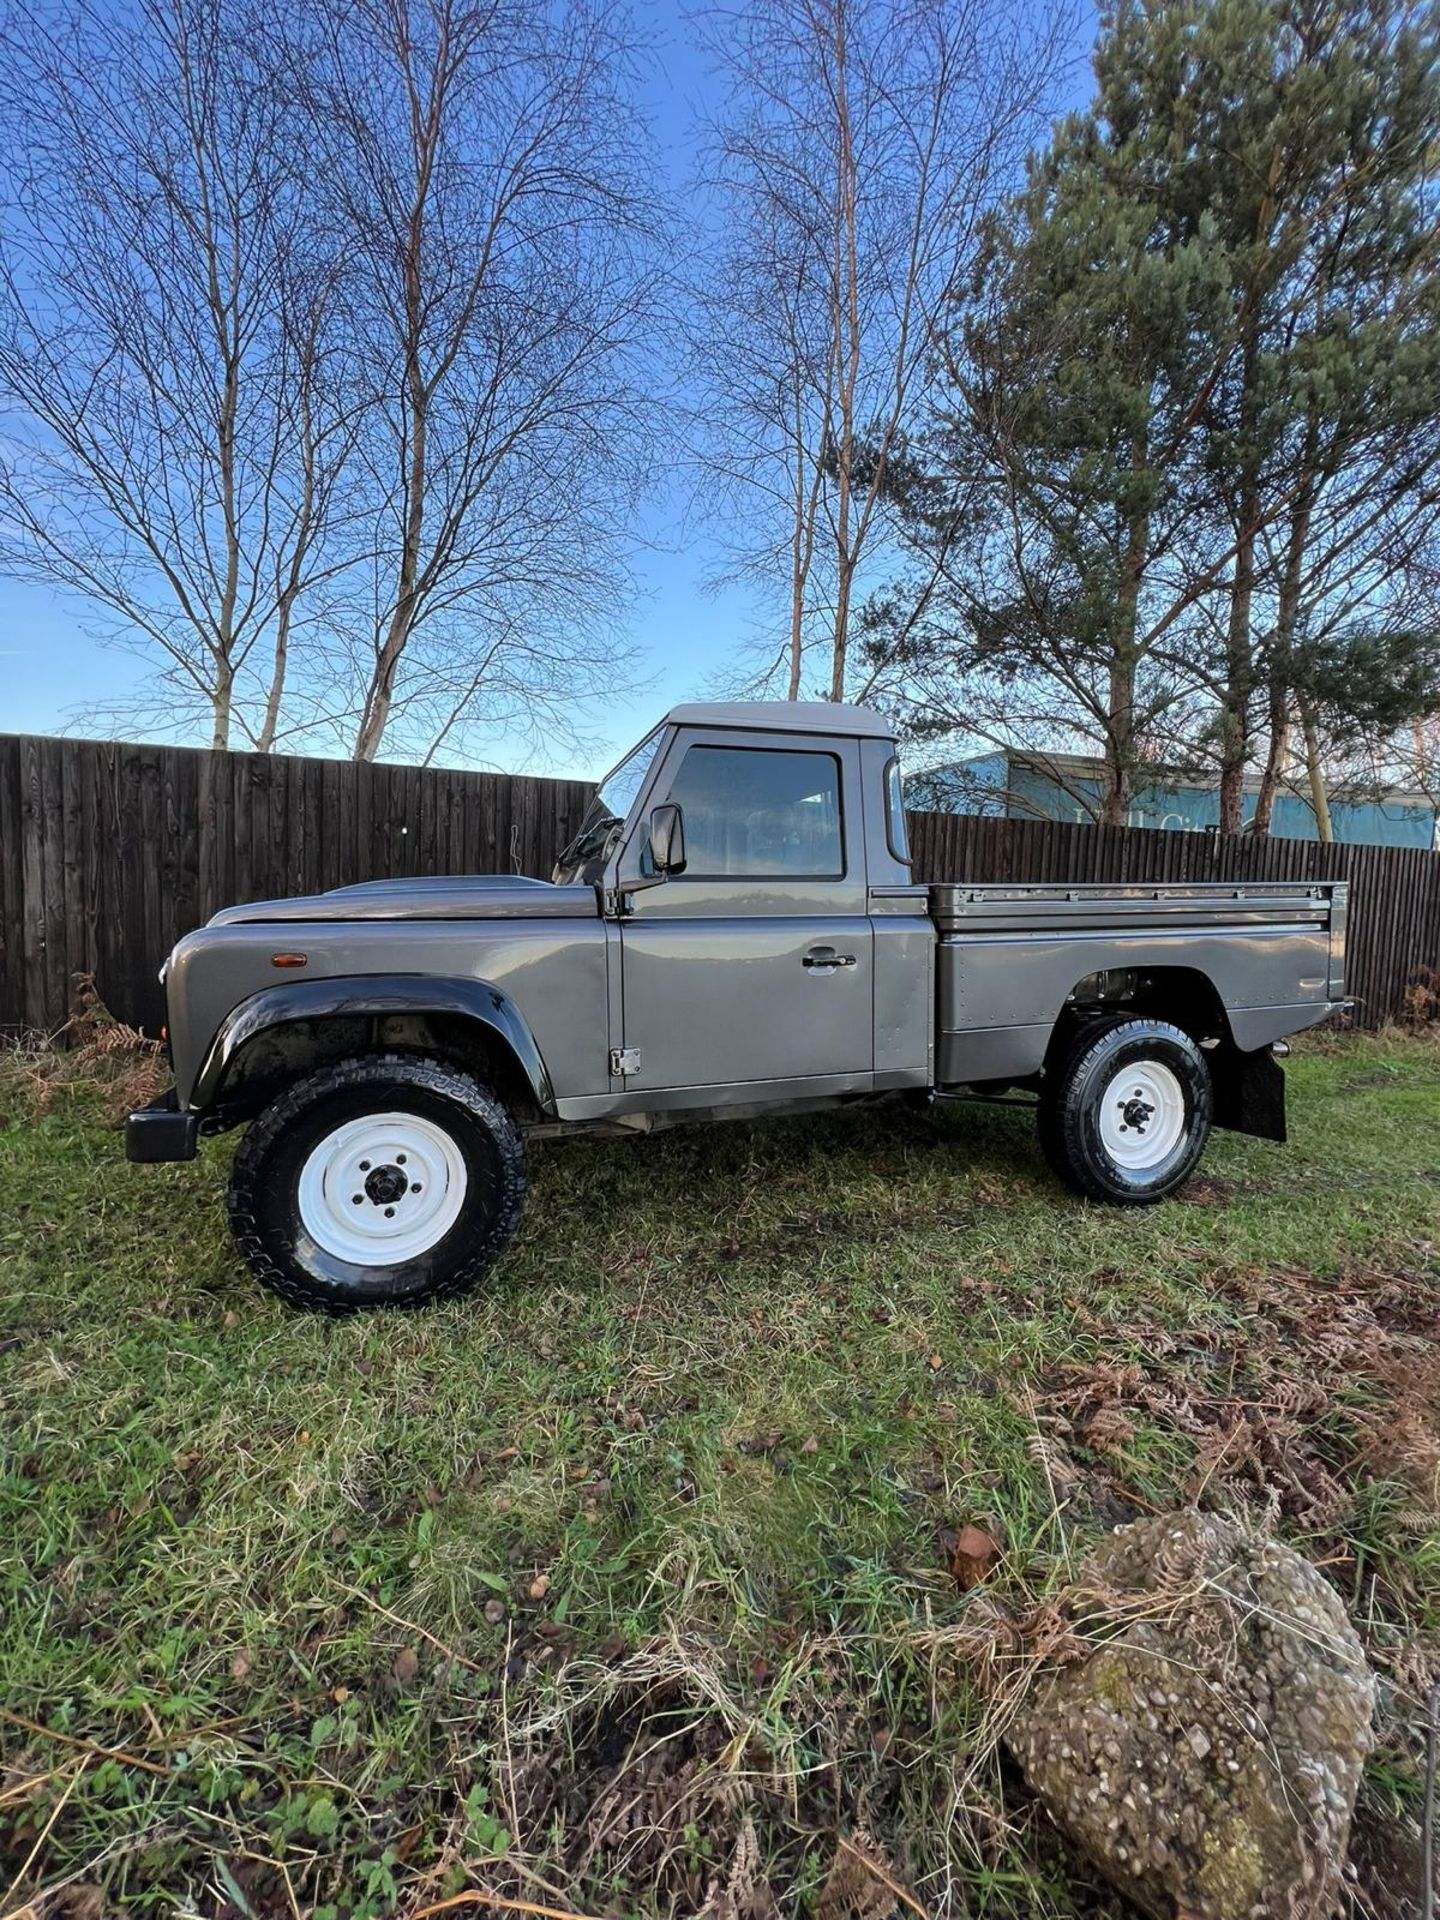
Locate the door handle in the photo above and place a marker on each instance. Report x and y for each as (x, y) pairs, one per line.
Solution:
(826, 960)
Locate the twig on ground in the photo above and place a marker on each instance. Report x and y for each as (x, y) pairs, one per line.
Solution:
(23, 1789)
(84, 1746)
(269, 1860)
(890, 1886)
(500, 1903)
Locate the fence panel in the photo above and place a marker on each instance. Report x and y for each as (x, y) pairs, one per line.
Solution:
(109, 852)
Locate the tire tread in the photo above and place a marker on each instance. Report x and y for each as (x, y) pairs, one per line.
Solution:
(1062, 1115)
(423, 1071)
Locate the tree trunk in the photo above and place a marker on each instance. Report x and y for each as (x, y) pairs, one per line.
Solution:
(265, 741)
(1287, 623)
(842, 628)
(797, 593)
(381, 692)
(1120, 702)
(1319, 798)
(1120, 740)
(802, 542)
(1275, 759)
(221, 702)
(847, 350)
(1235, 699)
(1239, 665)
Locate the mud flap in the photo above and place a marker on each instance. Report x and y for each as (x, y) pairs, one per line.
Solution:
(1249, 1092)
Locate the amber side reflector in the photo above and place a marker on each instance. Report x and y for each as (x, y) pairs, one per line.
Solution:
(287, 959)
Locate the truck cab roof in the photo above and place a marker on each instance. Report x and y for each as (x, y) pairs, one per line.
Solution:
(784, 716)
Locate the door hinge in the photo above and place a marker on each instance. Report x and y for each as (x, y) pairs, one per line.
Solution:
(624, 1060)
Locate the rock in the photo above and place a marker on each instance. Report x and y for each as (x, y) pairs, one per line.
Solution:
(1205, 1748)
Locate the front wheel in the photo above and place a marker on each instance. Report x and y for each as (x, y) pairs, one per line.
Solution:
(383, 1180)
(1125, 1115)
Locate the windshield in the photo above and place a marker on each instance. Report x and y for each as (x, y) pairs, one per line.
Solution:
(584, 859)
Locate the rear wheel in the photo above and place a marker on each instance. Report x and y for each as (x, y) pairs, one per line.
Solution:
(1125, 1115)
(384, 1180)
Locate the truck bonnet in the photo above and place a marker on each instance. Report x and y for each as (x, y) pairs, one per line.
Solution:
(486, 896)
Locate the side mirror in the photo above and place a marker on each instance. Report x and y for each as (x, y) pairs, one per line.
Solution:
(667, 839)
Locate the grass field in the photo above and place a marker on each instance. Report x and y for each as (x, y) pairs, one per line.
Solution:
(624, 1587)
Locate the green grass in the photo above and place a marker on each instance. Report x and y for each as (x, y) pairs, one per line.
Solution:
(724, 1396)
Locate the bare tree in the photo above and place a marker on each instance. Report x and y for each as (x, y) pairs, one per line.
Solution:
(858, 144)
(487, 180)
(171, 430)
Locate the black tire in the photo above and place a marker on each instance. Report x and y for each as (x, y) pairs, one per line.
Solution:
(474, 1132)
(1072, 1110)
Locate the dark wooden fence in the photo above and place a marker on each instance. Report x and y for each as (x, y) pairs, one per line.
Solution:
(108, 853)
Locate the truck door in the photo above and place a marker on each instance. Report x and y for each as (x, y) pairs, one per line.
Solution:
(755, 963)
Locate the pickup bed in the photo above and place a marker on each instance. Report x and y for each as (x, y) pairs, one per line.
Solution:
(733, 931)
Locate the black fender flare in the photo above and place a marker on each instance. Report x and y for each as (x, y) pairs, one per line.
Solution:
(373, 994)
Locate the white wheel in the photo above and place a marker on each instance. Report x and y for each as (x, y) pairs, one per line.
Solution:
(1142, 1114)
(1125, 1110)
(382, 1189)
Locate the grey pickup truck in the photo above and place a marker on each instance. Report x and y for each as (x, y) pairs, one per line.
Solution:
(734, 931)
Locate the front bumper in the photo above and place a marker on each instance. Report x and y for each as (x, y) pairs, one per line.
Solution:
(162, 1132)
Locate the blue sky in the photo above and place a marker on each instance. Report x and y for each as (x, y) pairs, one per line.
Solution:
(685, 636)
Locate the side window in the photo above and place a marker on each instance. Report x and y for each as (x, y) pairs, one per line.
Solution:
(895, 830)
(759, 813)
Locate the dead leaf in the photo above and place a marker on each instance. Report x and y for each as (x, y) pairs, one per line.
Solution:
(855, 1889)
(745, 1893)
(82, 1900)
(974, 1557)
(407, 1665)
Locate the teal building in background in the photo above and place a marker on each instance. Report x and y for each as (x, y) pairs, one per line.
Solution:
(1024, 786)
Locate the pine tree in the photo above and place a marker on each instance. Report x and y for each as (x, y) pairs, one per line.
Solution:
(1190, 429)
(1316, 171)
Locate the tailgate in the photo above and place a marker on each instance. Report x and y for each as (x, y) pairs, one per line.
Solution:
(1339, 891)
